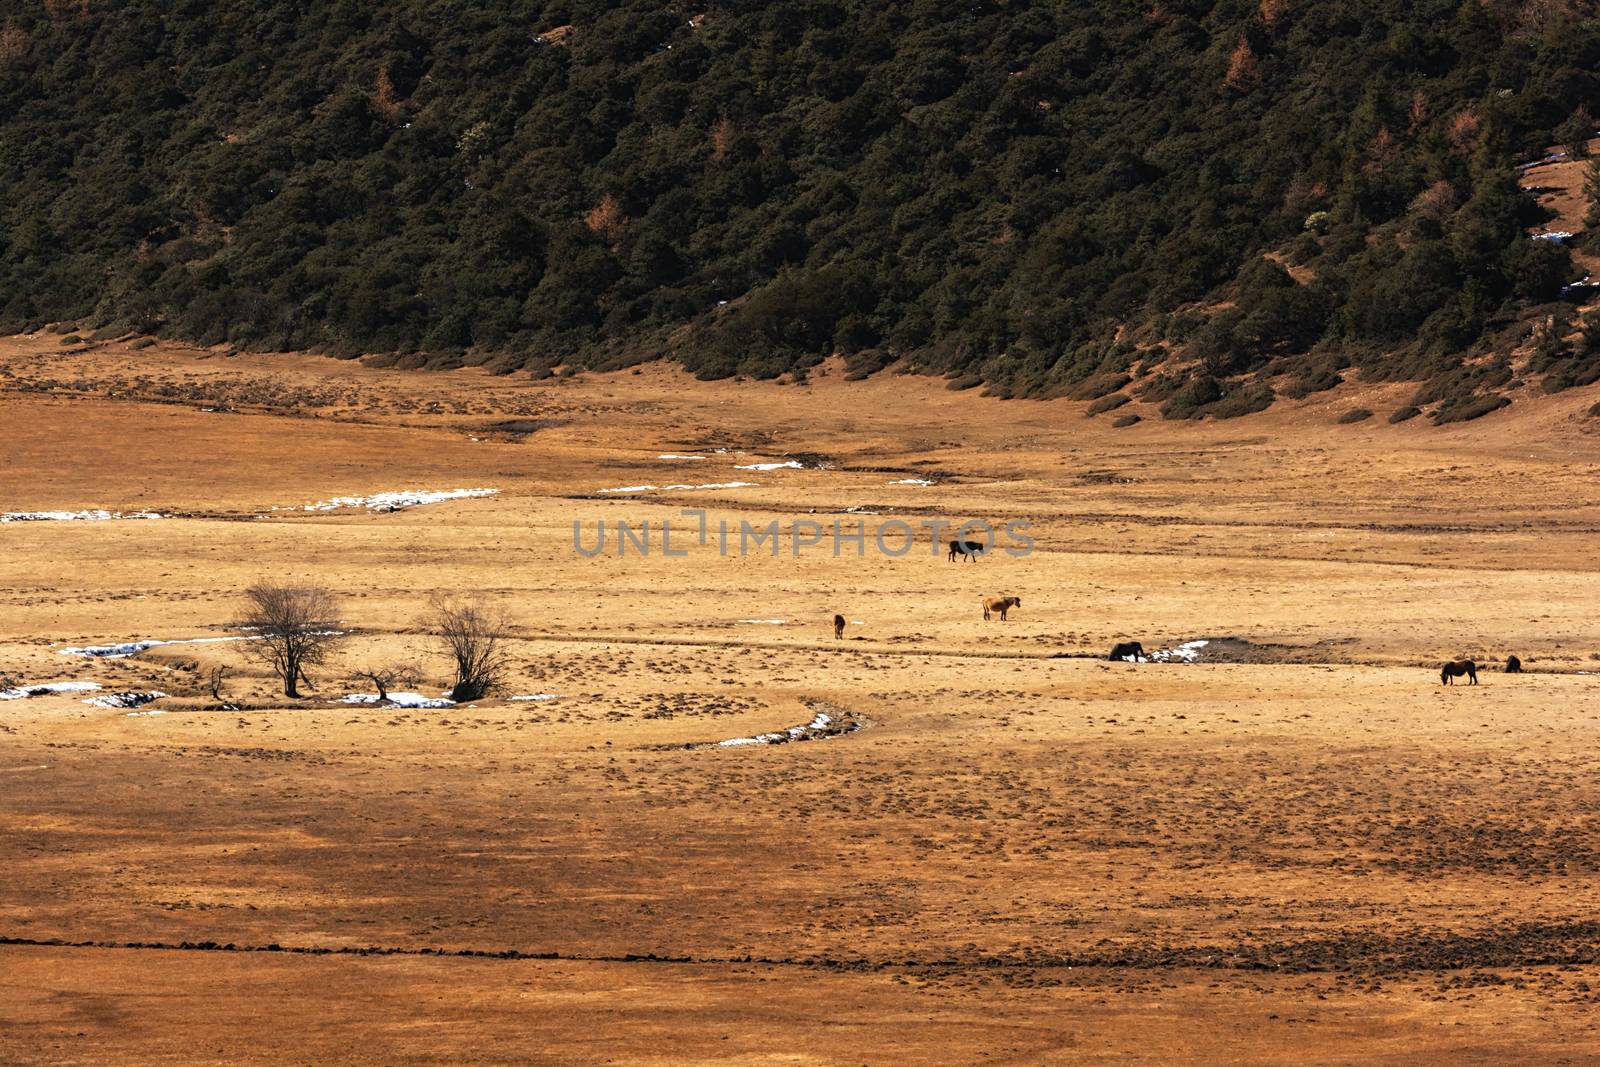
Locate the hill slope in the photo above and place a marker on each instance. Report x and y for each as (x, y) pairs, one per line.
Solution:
(1045, 198)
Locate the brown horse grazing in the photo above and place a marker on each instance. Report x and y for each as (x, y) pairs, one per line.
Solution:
(1000, 605)
(838, 627)
(969, 549)
(1456, 668)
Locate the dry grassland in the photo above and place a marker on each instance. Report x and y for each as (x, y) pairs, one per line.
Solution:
(1301, 848)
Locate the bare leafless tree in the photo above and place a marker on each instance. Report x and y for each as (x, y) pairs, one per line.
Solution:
(474, 635)
(294, 626)
(388, 675)
(214, 678)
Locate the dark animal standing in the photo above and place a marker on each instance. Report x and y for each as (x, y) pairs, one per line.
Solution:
(1456, 668)
(999, 605)
(970, 549)
(838, 627)
(1125, 649)
(1513, 665)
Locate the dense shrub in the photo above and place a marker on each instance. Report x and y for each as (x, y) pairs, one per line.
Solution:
(1129, 420)
(1410, 411)
(1565, 364)
(1589, 336)
(1461, 383)
(1161, 387)
(1244, 399)
(1465, 409)
(1108, 403)
(1190, 400)
(865, 363)
(1550, 344)
(1099, 385)
(1571, 376)
(1317, 381)
(1358, 415)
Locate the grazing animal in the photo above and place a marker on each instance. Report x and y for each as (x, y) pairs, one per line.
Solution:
(1123, 649)
(838, 627)
(1456, 668)
(1000, 605)
(1513, 665)
(970, 549)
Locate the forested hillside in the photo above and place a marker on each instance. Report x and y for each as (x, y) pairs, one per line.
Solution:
(1046, 198)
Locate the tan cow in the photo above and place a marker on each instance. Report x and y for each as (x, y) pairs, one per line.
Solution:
(1000, 605)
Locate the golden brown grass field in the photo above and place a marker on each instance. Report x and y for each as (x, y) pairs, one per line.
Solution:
(1299, 848)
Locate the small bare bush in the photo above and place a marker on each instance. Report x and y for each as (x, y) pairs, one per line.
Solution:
(474, 636)
(389, 675)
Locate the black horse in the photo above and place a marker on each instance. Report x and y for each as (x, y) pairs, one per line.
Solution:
(970, 549)
(1456, 668)
(1122, 650)
(1513, 665)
